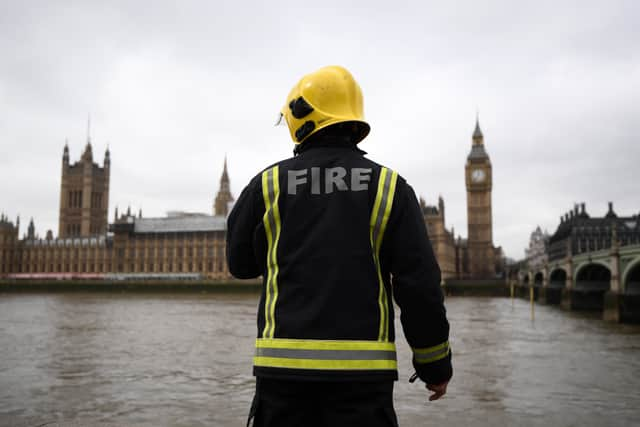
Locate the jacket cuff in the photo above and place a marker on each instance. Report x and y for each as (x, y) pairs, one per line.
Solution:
(433, 364)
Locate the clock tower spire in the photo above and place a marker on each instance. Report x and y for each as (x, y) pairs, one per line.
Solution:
(478, 178)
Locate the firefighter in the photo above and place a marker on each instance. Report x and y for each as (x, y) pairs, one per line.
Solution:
(335, 236)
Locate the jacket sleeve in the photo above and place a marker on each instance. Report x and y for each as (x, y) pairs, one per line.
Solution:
(242, 222)
(416, 287)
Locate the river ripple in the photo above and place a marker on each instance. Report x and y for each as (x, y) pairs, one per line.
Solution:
(185, 360)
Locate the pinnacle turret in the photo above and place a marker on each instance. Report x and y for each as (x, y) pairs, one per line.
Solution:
(31, 231)
(224, 179)
(88, 152)
(477, 133)
(477, 147)
(224, 197)
(65, 153)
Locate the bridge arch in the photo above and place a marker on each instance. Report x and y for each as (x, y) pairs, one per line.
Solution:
(538, 279)
(631, 277)
(593, 276)
(558, 278)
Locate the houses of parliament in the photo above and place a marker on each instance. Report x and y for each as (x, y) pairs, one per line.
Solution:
(192, 245)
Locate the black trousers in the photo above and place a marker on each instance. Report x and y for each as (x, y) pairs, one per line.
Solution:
(317, 404)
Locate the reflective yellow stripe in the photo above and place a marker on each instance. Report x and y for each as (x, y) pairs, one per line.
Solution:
(271, 220)
(431, 354)
(387, 208)
(377, 224)
(303, 344)
(387, 212)
(267, 229)
(276, 216)
(325, 354)
(277, 362)
(373, 226)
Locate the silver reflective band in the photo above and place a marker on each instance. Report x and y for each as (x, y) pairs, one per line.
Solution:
(326, 354)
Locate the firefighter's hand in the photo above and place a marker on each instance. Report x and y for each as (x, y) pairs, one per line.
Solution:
(438, 390)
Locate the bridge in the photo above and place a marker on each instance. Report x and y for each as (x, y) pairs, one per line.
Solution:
(604, 279)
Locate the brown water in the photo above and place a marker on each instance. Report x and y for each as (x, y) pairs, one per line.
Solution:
(185, 360)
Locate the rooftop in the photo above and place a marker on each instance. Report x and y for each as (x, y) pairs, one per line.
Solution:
(180, 224)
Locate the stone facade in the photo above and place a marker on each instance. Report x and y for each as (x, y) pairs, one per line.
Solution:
(84, 195)
(442, 240)
(181, 243)
(579, 233)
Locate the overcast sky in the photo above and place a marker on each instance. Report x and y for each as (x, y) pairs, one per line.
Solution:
(173, 86)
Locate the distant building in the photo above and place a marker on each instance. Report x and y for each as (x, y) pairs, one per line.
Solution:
(84, 195)
(442, 240)
(179, 243)
(475, 257)
(87, 246)
(536, 254)
(579, 233)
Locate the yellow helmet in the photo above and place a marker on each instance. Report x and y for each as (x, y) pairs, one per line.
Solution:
(324, 98)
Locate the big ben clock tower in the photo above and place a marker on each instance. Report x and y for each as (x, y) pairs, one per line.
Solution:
(480, 225)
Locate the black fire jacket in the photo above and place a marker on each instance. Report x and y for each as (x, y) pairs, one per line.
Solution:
(334, 235)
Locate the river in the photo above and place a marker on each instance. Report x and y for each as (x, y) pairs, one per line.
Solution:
(185, 360)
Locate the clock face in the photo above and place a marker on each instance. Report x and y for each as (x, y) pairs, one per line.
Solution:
(477, 175)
